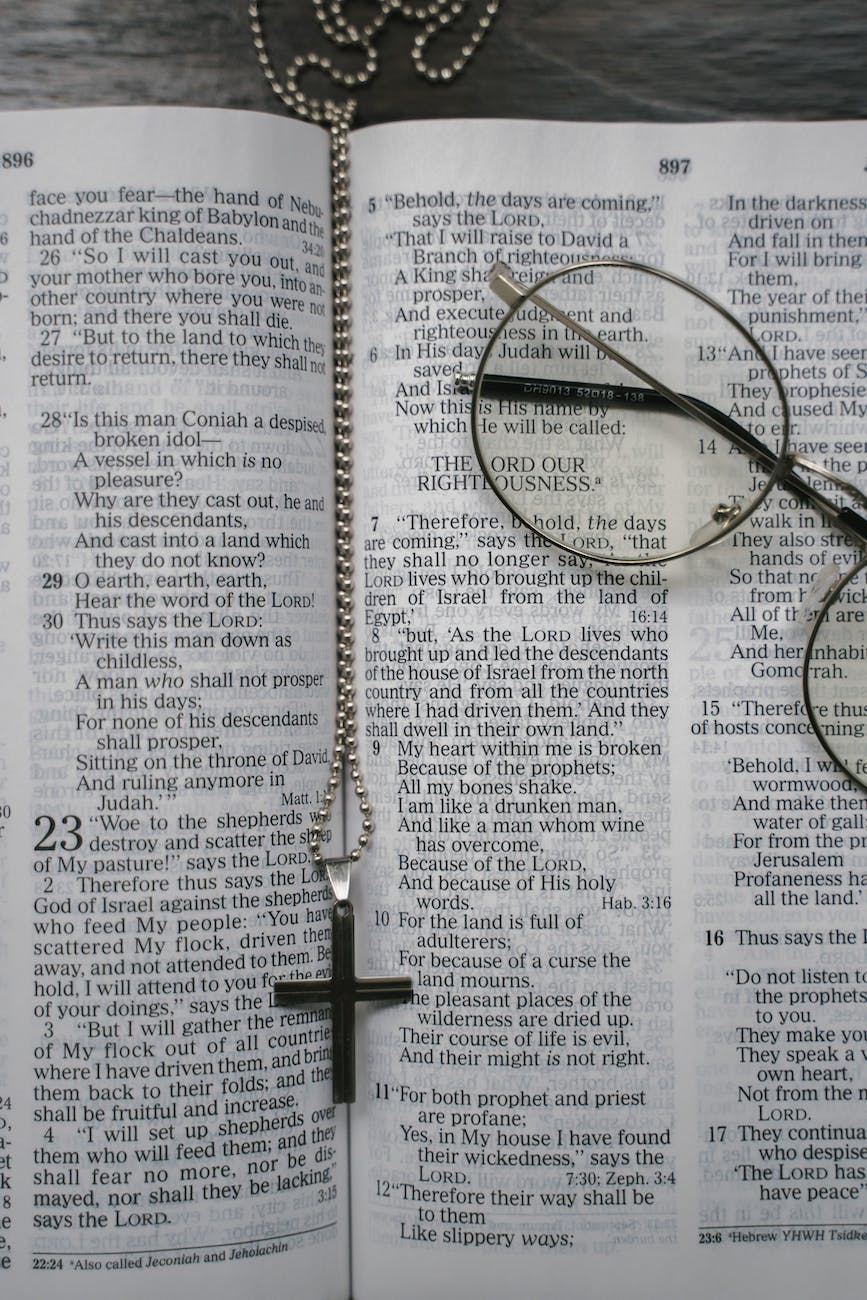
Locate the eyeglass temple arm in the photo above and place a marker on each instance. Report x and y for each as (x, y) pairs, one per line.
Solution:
(512, 292)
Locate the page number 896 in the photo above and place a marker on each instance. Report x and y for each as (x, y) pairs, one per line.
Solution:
(10, 160)
(675, 166)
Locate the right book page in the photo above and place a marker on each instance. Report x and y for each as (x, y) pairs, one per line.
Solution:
(625, 875)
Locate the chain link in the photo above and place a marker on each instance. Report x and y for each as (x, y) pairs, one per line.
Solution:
(337, 117)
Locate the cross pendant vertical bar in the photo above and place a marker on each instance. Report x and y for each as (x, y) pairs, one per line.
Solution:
(343, 990)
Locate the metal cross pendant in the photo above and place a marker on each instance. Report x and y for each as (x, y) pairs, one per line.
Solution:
(343, 990)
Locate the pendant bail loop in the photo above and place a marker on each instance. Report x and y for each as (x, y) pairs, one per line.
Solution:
(339, 871)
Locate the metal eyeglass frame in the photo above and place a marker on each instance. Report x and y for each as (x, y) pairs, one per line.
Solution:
(725, 518)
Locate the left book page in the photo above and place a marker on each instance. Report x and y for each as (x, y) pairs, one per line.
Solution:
(166, 635)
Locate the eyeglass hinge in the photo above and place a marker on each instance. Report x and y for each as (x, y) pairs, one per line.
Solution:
(504, 284)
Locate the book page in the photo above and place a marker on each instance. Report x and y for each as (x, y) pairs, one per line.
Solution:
(624, 873)
(167, 635)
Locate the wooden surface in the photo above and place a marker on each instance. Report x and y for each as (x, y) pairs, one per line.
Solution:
(616, 59)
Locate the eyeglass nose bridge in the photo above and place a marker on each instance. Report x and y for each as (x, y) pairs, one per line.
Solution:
(821, 471)
(850, 521)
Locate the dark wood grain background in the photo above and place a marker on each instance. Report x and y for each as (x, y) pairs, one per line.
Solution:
(618, 59)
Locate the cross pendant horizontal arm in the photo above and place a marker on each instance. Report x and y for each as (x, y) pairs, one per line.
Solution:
(343, 990)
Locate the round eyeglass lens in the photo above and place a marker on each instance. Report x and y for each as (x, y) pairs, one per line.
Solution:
(624, 416)
(835, 676)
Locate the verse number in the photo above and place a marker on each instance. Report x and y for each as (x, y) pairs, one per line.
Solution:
(68, 827)
(675, 166)
(16, 159)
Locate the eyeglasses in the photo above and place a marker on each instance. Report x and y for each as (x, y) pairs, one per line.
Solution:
(623, 415)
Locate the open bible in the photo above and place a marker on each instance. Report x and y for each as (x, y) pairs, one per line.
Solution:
(626, 880)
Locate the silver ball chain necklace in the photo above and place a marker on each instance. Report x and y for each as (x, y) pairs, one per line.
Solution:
(344, 989)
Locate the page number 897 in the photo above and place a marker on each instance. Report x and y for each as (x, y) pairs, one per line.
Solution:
(675, 166)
